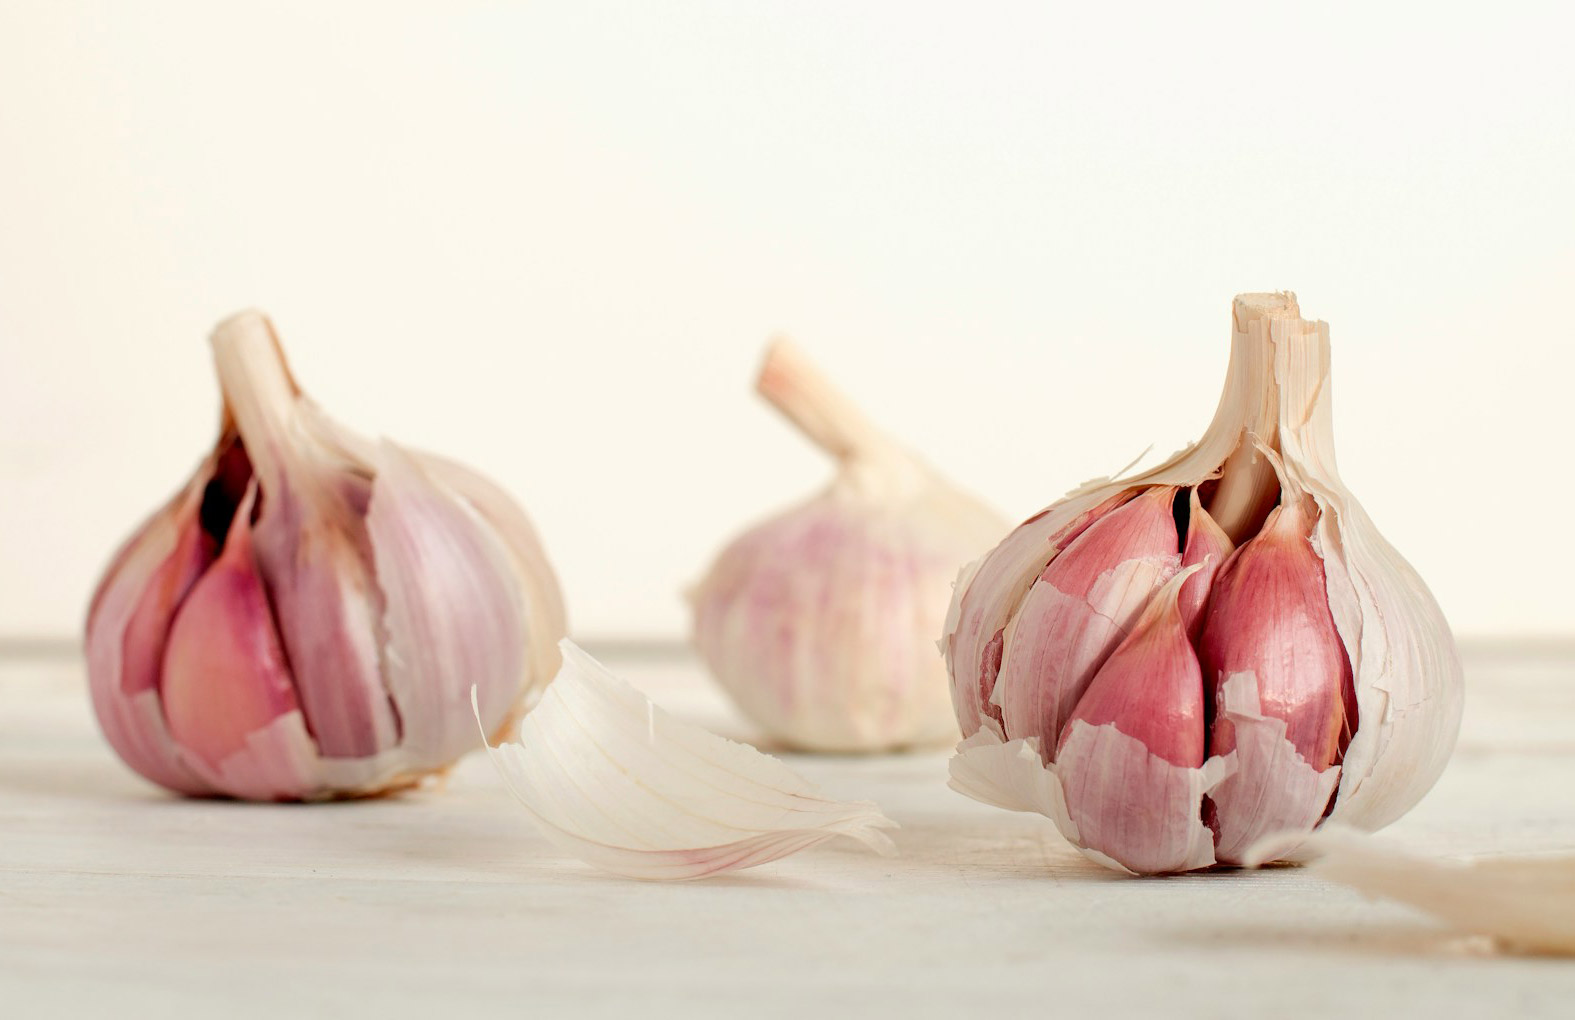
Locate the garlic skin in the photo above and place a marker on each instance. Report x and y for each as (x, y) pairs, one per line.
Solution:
(612, 779)
(1524, 903)
(306, 618)
(821, 621)
(1332, 683)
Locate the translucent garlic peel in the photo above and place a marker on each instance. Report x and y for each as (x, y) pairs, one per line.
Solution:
(1405, 670)
(304, 619)
(820, 622)
(1524, 902)
(615, 781)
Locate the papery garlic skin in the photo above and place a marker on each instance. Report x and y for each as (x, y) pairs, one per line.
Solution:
(614, 780)
(1361, 683)
(306, 618)
(821, 622)
(1525, 903)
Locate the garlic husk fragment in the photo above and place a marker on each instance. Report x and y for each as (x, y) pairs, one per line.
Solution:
(821, 621)
(304, 620)
(1369, 702)
(617, 782)
(1527, 903)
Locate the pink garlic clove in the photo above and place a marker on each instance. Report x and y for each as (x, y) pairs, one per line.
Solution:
(1130, 758)
(986, 597)
(125, 644)
(147, 631)
(1207, 547)
(1269, 615)
(1079, 610)
(1151, 687)
(1271, 791)
(225, 676)
(1269, 628)
(330, 621)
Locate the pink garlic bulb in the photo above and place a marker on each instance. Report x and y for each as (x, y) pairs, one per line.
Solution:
(821, 621)
(1222, 650)
(305, 619)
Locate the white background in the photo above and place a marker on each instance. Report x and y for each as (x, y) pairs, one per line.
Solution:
(550, 239)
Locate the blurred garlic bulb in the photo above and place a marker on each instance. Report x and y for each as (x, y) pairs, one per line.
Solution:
(1176, 666)
(821, 622)
(305, 619)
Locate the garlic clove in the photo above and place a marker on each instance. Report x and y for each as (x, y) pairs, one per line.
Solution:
(1129, 775)
(1151, 686)
(1080, 609)
(820, 621)
(126, 633)
(1207, 547)
(1130, 757)
(614, 780)
(1406, 669)
(543, 611)
(1269, 616)
(1272, 789)
(975, 630)
(1012, 774)
(321, 583)
(147, 631)
(431, 551)
(1269, 633)
(225, 628)
(1131, 810)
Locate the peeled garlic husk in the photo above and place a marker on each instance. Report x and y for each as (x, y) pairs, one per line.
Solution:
(1525, 903)
(821, 621)
(305, 618)
(1330, 682)
(617, 782)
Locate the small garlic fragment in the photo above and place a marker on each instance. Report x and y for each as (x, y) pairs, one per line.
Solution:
(617, 782)
(821, 622)
(1330, 681)
(1527, 903)
(304, 619)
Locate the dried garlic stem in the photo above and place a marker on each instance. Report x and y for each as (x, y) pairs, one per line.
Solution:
(796, 387)
(260, 394)
(1248, 487)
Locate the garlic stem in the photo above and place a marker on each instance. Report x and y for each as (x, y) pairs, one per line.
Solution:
(1248, 487)
(259, 391)
(797, 388)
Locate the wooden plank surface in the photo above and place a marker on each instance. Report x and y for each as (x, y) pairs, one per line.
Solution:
(118, 900)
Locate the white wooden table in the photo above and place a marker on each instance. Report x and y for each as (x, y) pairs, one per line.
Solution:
(118, 900)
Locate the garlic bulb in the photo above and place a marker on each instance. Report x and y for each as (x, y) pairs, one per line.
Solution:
(821, 622)
(305, 618)
(1177, 665)
(612, 779)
